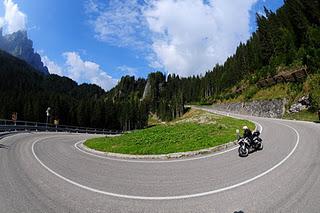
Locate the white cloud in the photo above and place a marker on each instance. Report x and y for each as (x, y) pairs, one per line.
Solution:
(2, 22)
(87, 71)
(52, 66)
(192, 36)
(81, 71)
(91, 6)
(13, 20)
(126, 70)
(185, 37)
(119, 22)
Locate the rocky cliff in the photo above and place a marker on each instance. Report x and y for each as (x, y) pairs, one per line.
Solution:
(154, 86)
(19, 45)
(147, 91)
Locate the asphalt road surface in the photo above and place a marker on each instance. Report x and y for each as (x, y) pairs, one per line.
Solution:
(45, 172)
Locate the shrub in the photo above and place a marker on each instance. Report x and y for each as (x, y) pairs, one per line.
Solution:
(312, 86)
(250, 92)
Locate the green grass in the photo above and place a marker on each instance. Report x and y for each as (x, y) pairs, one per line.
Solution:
(252, 93)
(303, 116)
(278, 91)
(196, 130)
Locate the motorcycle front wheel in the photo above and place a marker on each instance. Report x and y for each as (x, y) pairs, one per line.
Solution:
(243, 152)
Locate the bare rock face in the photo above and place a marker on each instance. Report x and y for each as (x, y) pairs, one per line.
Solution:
(302, 104)
(19, 45)
(150, 87)
(147, 91)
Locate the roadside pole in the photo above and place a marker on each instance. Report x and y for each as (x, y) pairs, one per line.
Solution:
(48, 115)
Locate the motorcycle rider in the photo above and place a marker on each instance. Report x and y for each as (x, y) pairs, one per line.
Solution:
(248, 134)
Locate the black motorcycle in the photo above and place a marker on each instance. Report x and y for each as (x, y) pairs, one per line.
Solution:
(246, 145)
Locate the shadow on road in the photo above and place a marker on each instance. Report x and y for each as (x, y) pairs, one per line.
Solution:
(4, 146)
(238, 212)
(250, 152)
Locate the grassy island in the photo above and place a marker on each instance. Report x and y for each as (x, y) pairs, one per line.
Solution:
(196, 130)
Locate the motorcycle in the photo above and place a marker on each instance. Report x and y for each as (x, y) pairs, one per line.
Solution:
(246, 146)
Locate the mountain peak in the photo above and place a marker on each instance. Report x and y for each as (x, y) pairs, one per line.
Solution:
(18, 44)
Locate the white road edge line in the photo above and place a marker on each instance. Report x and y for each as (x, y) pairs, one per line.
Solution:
(170, 197)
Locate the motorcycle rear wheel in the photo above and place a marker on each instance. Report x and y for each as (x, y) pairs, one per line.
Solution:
(260, 146)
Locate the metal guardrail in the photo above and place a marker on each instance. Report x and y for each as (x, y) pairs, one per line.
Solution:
(9, 126)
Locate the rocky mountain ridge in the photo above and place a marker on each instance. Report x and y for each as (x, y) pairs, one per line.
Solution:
(19, 45)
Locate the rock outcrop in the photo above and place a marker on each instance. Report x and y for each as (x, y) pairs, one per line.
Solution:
(284, 77)
(303, 103)
(147, 91)
(19, 45)
(154, 86)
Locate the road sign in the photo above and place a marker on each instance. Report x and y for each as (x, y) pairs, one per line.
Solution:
(56, 122)
(14, 116)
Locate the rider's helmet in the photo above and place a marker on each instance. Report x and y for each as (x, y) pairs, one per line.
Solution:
(245, 127)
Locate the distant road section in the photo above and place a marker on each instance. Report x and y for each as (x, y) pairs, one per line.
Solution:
(44, 172)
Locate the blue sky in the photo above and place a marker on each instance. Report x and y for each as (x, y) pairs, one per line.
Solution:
(98, 41)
